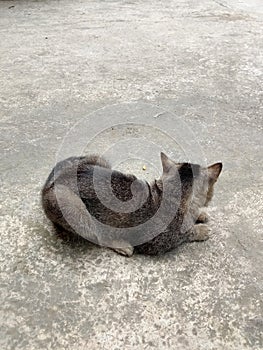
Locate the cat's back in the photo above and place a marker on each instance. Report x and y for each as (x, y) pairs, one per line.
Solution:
(88, 175)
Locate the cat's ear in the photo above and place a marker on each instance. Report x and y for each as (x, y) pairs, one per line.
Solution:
(166, 163)
(214, 171)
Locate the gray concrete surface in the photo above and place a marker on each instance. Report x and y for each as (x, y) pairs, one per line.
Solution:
(202, 60)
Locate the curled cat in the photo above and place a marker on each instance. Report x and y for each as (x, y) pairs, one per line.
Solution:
(84, 195)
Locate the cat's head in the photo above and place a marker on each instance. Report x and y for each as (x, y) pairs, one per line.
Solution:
(203, 188)
(200, 179)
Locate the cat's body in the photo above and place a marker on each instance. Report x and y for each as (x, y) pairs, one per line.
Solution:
(72, 199)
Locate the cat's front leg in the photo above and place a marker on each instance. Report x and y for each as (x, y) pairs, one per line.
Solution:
(198, 215)
(202, 217)
(199, 232)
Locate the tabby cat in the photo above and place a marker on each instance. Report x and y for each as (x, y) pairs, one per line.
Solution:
(150, 218)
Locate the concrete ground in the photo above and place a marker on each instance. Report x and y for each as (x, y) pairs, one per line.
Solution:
(201, 60)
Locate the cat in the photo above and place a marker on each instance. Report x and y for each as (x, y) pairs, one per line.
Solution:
(80, 192)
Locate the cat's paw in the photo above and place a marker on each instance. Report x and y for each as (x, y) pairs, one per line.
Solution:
(128, 251)
(200, 232)
(203, 217)
(122, 248)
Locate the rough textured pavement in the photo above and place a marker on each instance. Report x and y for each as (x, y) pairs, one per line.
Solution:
(201, 60)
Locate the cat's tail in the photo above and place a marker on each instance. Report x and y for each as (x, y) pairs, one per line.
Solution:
(65, 209)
